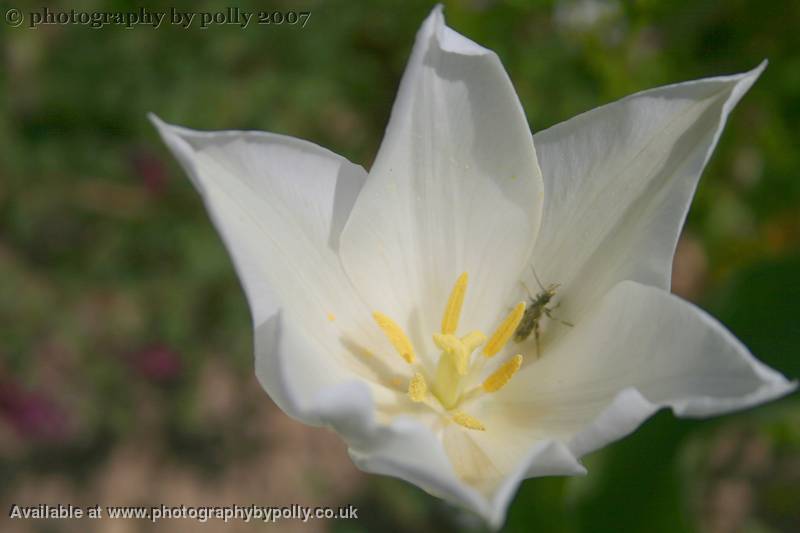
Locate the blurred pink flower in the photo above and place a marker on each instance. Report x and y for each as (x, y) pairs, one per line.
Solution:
(157, 363)
(151, 170)
(32, 414)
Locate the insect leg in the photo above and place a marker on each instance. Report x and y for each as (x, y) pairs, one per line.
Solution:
(548, 312)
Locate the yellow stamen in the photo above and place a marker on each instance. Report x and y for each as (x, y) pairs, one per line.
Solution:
(453, 310)
(504, 331)
(502, 375)
(417, 388)
(454, 347)
(396, 336)
(472, 340)
(468, 421)
(331, 317)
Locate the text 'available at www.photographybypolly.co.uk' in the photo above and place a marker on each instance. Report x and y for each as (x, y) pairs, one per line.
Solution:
(154, 18)
(201, 513)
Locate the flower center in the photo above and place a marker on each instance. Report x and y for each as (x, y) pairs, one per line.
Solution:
(448, 389)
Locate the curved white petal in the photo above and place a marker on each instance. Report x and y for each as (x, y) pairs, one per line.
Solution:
(639, 349)
(280, 204)
(618, 183)
(455, 187)
(404, 448)
(274, 200)
(497, 460)
(408, 450)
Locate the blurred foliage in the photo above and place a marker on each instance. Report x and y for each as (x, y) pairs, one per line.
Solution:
(116, 294)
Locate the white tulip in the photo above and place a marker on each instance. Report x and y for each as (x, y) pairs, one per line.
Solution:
(384, 303)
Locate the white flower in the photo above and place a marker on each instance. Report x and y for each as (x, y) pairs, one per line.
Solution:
(361, 324)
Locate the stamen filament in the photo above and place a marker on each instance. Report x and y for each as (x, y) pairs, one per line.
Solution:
(396, 336)
(504, 331)
(502, 375)
(452, 312)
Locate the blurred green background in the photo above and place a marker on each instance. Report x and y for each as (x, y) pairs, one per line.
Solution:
(125, 354)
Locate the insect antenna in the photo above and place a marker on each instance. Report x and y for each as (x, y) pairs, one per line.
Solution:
(537, 278)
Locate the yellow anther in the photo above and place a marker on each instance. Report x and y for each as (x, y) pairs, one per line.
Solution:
(502, 375)
(453, 310)
(453, 346)
(468, 421)
(396, 336)
(331, 317)
(417, 388)
(504, 331)
(472, 340)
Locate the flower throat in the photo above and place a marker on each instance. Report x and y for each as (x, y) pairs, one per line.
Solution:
(444, 390)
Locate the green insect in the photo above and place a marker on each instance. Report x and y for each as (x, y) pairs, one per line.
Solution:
(534, 311)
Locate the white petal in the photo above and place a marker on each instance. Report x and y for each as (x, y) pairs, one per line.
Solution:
(618, 183)
(639, 349)
(455, 187)
(280, 204)
(408, 450)
(405, 448)
(497, 460)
